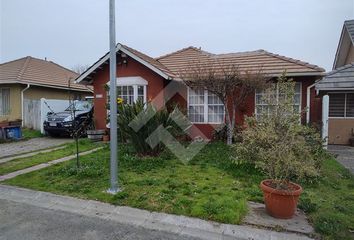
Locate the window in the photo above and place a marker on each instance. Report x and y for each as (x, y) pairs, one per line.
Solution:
(131, 89)
(4, 101)
(263, 108)
(204, 107)
(131, 94)
(341, 105)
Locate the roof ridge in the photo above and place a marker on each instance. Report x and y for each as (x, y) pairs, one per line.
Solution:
(293, 60)
(340, 69)
(182, 50)
(244, 52)
(24, 67)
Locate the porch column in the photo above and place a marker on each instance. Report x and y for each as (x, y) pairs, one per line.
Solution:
(325, 113)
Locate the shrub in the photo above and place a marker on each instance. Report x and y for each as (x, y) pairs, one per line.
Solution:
(136, 115)
(277, 143)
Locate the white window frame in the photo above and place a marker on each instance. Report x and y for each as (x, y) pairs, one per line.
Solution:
(277, 96)
(205, 105)
(135, 82)
(345, 105)
(2, 113)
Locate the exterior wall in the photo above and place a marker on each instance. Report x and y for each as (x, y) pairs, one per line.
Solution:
(36, 93)
(15, 102)
(33, 93)
(156, 84)
(340, 130)
(350, 56)
(132, 68)
(248, 108)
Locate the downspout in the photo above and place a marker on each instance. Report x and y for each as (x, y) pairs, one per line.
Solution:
(22, 102)
(308, 102)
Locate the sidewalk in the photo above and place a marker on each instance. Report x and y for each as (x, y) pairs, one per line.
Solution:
(44, 165)
(31, 145)
(344, 155)
(181, 225)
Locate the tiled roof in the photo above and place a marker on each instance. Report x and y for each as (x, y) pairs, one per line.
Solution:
(30, 70)
(341, 78)
(151, 61)
(273, 64)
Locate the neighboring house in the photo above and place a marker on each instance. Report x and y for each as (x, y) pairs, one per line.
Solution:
(140, 76)
(24, 81)
(339, 86)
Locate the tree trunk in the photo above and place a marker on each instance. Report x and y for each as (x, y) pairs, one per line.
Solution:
(229, 128)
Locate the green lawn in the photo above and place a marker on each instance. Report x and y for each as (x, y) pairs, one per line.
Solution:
(30, 133)
(21, 163)
(209, 187)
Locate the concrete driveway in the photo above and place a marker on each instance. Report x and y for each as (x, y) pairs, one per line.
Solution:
(20, 221)
(344, 155)
(34, 144)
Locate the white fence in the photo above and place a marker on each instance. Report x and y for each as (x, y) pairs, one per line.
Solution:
(32, 113)
(35, 111)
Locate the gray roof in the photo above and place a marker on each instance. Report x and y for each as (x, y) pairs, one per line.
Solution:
(340, 79)
(349, 24)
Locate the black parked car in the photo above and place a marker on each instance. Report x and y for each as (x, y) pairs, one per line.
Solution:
(77, 117)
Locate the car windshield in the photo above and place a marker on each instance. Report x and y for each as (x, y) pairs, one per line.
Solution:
(79, 106)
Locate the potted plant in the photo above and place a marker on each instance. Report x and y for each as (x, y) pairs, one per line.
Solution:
(277, 144)
(106, 137)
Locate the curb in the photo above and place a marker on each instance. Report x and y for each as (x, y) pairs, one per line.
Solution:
(181, 225)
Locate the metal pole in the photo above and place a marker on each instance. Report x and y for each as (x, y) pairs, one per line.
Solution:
(113, 98)
(325, 114)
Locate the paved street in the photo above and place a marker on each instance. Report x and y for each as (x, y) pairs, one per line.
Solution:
(344, 155)
(19, 221)
(40, 215)
(34, 144)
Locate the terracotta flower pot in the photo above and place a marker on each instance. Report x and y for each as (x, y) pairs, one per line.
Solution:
(105, 138)
(280, 203)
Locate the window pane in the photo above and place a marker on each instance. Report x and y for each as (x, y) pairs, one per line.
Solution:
(350, 105)
(131, 90)
(4, 101)
(215, 113)
(196, 96)
(297, 87)
(336, 105)
(141, 90)
(196, 113)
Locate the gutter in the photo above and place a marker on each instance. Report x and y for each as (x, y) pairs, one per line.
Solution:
(308, 102)
(22, 102)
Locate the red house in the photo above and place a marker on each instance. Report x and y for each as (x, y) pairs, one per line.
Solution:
(159, 80)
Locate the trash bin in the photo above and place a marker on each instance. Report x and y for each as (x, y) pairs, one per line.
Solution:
(13, 132)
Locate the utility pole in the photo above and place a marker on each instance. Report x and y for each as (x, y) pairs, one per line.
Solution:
(113, 99)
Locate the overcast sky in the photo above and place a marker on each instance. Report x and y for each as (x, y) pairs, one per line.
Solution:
(72, 32)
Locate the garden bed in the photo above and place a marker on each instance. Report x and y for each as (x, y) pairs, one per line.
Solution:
(209, 187)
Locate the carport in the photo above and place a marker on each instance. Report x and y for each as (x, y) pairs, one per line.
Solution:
(339, 86)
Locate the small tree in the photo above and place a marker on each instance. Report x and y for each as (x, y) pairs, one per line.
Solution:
(231, 85)
(277, 143)
(78, 68)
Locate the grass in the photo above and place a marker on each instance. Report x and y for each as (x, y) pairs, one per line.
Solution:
(209, 187)
(31, 133)
(26, 135)
(21, 163)
(329, 203)
(204, 188)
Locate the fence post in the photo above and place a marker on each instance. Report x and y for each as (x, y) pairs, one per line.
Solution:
(325, 114)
